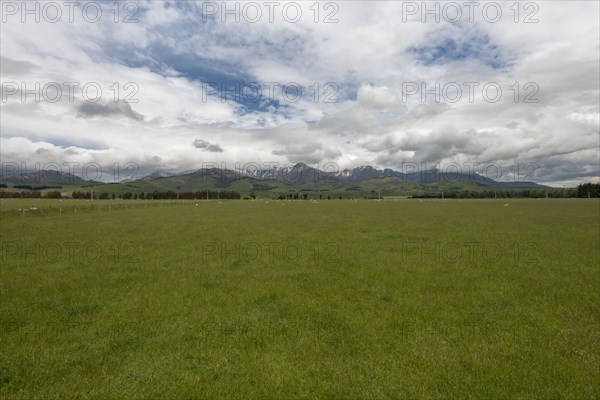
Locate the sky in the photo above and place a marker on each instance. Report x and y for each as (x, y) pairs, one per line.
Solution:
(509, 90)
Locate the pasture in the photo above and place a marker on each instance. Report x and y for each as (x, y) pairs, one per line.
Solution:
(300, 299)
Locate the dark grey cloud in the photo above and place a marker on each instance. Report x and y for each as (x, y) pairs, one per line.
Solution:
(441, 144)
(43, 152)
(15, 67)
(206, 146)
(311, 152)
(332, 154)
(428, 111)
(90, 110)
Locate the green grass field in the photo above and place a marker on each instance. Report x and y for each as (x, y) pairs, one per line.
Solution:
(329, 299)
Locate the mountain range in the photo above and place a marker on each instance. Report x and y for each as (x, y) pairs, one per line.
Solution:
(300, 174)
(44, 177)
(362, 181)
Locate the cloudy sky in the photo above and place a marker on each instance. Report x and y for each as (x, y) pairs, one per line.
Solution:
(349, 83)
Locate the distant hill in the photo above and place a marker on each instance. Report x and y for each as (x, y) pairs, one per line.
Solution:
(300, 178)
(303, 178)
(301, 174)
(44, 177)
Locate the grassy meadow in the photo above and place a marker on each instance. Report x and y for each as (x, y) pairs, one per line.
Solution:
(300, 299)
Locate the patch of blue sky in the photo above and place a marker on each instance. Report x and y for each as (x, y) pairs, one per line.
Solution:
(443, 49)
(230, 79)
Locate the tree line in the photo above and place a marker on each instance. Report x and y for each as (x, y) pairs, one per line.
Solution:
(292, 196)
(19, 195)
(162, 195)
(588, 190)
(155, 195)
(33, 187)
(583, 190)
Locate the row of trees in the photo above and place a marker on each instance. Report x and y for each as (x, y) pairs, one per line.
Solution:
(158, 195)
(588, 190)
(31, 187)
(293, 196)
(297, 196)
(38, 187)
(585, 190)
(19, 195)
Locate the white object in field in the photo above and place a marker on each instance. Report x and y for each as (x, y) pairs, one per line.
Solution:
(196, 203)
(506, 205)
